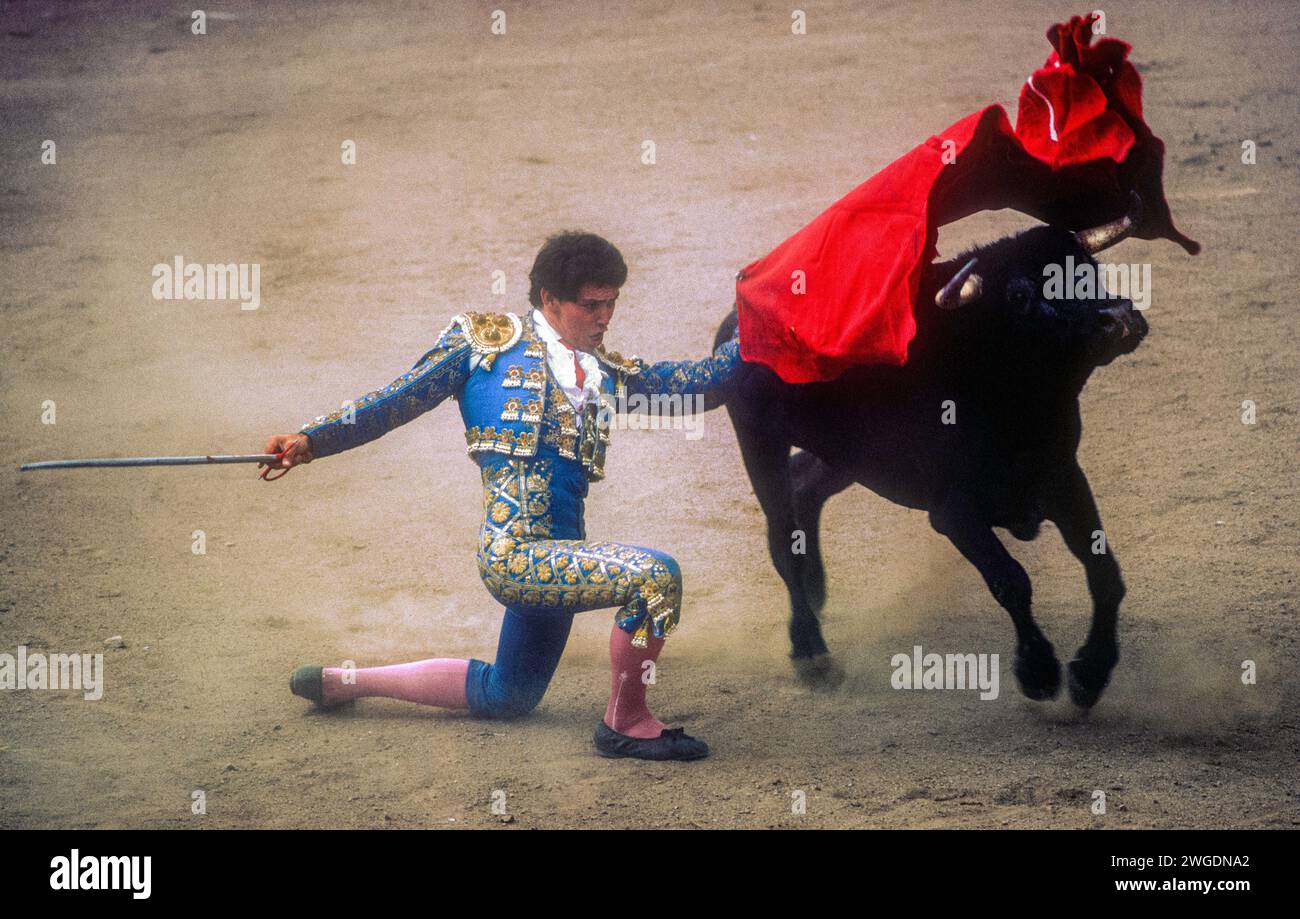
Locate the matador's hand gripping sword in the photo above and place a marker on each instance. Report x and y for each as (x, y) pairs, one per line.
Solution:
(259, 458)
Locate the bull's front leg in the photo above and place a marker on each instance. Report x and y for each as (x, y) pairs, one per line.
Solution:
(767, 460)
(813, 483)
(1036, 667)
(1068, 503)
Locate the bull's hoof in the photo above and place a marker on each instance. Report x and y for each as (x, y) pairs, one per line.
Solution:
(1037, 670)
(1088, 676)
(819, 672)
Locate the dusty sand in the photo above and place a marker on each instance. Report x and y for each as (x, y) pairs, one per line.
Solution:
(472, 148)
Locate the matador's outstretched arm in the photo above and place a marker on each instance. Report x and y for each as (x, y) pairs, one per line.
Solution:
(708, 377)
(434, 377)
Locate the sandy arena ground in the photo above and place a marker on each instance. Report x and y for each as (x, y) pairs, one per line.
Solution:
(471, 149)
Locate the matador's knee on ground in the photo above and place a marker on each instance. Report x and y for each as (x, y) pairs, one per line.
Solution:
(490, 695)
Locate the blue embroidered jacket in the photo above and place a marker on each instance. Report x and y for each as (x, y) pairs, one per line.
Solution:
(495, 365)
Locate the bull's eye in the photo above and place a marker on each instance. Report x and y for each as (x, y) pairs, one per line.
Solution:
(1020, 295)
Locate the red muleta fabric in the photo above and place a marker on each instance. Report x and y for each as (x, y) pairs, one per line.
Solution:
(1079, 147)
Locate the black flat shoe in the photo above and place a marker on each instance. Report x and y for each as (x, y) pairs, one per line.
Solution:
(306, 683)
(672, 743)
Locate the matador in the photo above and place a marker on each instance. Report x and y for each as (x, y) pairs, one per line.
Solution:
(534, 393)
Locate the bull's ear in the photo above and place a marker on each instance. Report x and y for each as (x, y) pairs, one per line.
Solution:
(964, 288)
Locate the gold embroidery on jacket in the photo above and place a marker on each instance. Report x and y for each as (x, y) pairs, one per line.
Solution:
(489, 333)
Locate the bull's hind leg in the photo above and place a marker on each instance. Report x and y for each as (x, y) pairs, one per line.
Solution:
(1036, 667)
(814, 483)
(767, 460)
(1070, 505)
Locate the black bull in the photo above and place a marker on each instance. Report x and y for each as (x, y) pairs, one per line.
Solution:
(979, 428)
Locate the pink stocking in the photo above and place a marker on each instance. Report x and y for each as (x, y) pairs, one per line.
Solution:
(438, 681)
(627, 712)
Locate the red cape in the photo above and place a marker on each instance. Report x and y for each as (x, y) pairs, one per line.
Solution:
(840, 292)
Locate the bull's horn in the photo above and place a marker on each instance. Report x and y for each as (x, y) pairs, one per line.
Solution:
(964, 287)
(1096, 239)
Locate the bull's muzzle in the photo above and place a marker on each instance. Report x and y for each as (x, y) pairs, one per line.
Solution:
(1121, 328)
(1121, 320)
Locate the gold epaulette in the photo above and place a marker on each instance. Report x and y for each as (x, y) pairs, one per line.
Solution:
(618, 361)
(490, 333)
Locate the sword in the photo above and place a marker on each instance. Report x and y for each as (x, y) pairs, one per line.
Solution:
(155, 461)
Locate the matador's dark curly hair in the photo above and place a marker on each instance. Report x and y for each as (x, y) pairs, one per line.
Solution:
(570, 259)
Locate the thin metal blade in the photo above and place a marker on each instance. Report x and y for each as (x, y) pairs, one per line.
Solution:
(150, 461)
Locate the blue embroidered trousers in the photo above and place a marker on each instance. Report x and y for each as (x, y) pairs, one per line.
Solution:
(534, 559)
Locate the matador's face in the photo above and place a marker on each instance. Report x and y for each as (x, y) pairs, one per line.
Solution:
(581, 322)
